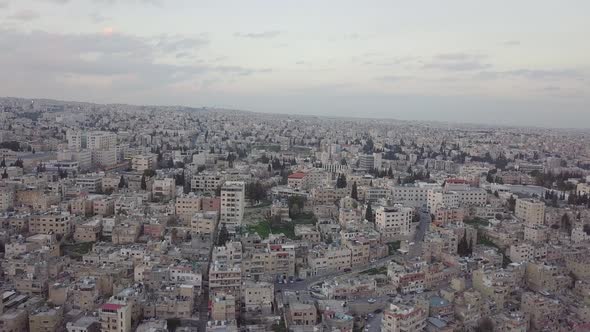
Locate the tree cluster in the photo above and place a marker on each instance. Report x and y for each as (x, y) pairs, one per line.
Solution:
(464, 247)
(341, 181)
(255, 191)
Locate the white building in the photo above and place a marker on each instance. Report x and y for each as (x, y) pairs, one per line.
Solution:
(232, 203)
(143, 162)
(530, 211)
(393, 222)
(437, 198)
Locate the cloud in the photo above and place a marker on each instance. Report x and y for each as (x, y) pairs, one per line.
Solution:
(158, 3)
(534, 74)
(458, 62)
(392, 78)
(173, 44)
(258, 35)
(117, 60)
(511, 43)
(60, 2)
(98, 17)
(25, 15)
(3, 4)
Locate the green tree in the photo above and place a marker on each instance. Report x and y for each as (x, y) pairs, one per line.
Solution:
(143, 183)
(369, 213)
(223, 236)
(19, 163)
(485, 325)
(354, 193)
(566, 223)
(122, 183)
(341, 181)
(511, 203)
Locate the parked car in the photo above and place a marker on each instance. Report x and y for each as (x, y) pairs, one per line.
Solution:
(371, 300)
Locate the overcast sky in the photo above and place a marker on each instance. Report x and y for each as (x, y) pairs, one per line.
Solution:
(524, 62)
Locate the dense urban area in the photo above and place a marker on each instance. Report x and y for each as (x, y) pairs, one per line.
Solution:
(120, 218)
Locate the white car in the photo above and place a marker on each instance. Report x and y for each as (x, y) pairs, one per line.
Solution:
(371, 300)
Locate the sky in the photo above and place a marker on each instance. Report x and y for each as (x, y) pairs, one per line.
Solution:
(523, 62)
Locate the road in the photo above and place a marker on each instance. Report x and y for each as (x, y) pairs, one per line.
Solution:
(423, 226)
(421, 229)
(374, 323)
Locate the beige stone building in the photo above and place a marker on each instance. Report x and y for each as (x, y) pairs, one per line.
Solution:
(164, 189)
(526, 252)
(307, 233)
(84, 324)
(103, 206)
(143, 162)
(542, 310)
(258, 297)
(115, 317)
(224, 279)
(59, 224)
(204, 222)
(223, 307)
(81, 206)
(46, 319)
(6, 198)
(15, 320)
(530, 211)
(232, 204)
(330, 259)
(393, 222)
(360, 251)
(126, 233)
(400, 318)
(445, 216)
(206, 182)
(535, 233)
(186, 206)
(301, 314)
(89, 231)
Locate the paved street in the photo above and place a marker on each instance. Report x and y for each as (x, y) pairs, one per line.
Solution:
(374, 323)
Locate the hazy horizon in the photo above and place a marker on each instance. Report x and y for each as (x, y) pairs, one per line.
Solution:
(504, 63)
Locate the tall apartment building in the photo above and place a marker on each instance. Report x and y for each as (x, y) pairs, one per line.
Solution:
(415, 196)
(143, 162)
(232, 204)
(99, 140)
(206, 182)
(204, 222)
(224, 279)
(164, 189)
(437, 198)
(330, 259)
(59, 224)
(6, 198)
(366, 161)
(393, 222)
(115, 317)
(399, 318)
(102, 146)
(530, 211)
(186, 206)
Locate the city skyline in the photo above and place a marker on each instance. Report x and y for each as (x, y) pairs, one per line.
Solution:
(463, 62)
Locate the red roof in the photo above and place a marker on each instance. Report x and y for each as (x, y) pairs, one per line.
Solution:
(111, 306)
(298, 175)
